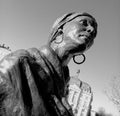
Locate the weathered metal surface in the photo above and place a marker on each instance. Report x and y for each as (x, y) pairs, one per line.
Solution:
(33, 82)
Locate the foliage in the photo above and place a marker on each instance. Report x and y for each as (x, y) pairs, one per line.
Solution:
(113, 91)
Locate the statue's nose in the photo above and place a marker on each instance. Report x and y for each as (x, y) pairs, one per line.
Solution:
(89, 28)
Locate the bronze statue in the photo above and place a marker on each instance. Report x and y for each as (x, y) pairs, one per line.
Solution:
(33, 82)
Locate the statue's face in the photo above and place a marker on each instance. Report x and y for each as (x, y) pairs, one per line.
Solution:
(80, 31)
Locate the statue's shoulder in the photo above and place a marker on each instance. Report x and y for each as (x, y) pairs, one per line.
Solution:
(23, 53)
(34, 53)
(17, 53)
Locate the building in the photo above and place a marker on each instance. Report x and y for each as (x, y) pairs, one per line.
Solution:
(80, 97)
(93, 113)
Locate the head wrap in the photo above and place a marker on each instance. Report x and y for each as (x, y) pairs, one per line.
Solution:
(60, 22)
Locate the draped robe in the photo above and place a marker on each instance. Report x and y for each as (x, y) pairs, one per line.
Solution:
(33, 84)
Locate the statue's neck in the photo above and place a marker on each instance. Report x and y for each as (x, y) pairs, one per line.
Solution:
(62, 56)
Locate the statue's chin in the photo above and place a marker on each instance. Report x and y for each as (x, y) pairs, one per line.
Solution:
(78, 49)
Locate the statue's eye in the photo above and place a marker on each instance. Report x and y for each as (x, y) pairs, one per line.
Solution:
(84, 22)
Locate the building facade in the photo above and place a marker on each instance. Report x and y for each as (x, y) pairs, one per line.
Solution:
(80, 97)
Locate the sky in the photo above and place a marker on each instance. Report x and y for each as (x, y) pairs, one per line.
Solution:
(27, 23)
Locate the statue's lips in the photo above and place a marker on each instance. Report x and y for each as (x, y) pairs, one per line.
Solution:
(84, 37)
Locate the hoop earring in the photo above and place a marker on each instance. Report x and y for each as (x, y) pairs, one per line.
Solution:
(84, 58)
(59, 40)
(59, 37)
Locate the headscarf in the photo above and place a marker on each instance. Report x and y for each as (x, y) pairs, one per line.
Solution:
(60, 22)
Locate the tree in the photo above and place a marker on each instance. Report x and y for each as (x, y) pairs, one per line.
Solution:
(113, 91)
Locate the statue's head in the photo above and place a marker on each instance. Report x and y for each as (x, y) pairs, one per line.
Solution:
(73, 33)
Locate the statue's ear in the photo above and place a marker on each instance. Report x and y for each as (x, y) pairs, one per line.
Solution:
(59, 36)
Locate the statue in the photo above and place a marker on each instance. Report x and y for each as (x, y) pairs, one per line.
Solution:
(33, 81)
(4, 50)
